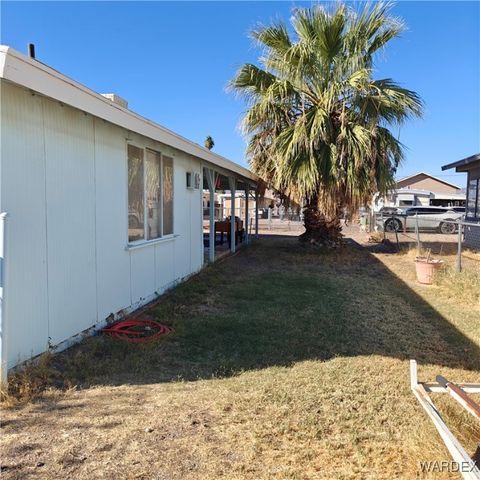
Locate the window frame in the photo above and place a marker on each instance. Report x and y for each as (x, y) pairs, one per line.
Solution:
(476, 209)
(162, 196)
(162, 238)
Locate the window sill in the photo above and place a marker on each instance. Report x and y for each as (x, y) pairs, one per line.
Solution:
(146, 243)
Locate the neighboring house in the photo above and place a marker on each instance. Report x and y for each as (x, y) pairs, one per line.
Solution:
(421, 189)
(471, 166)
(103, 207)
(425, 181)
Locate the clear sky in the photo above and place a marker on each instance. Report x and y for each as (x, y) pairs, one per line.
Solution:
(173, 60)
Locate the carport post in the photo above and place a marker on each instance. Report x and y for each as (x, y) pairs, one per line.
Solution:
(211, 236)
(256, 213)
(233, 225)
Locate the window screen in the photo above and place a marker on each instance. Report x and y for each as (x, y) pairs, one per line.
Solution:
(167, 196)
(153, 195)
(477, 213)
(150, 194)
(472, 198)
(136, 206)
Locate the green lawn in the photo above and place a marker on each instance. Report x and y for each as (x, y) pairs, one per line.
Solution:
(285, 363)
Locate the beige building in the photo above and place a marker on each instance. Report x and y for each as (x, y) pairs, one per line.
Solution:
(425, 181)
(422, 189)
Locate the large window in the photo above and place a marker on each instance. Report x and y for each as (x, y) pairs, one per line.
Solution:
(473, 199)
(167, 195)
(136, 198)
(150, 194)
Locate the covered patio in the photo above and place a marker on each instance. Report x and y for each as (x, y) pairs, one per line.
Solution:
(229, 213)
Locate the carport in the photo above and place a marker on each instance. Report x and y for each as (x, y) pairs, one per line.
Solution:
(234, 223)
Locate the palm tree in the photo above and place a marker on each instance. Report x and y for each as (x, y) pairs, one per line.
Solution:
(209, 143)
(318, 124)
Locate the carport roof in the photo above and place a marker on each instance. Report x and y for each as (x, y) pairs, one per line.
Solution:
(463, 164)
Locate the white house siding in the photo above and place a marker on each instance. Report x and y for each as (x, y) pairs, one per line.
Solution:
(70, 199)
(23, 197)
(64, 187)
(110, 197)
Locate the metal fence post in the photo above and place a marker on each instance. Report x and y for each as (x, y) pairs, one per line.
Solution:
(459, 248)
(395, 224)
(417, 232)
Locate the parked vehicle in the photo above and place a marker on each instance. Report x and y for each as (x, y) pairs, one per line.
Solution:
(429, 218)
(391, 211)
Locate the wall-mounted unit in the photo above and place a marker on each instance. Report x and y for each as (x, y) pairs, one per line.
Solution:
(196, 182)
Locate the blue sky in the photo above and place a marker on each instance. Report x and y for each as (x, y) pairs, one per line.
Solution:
(173, 60)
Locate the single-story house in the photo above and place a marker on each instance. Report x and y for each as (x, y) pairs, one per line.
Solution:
(101, 208)
(471, 166)
(425, 181)
(403, 197)
(421, 189)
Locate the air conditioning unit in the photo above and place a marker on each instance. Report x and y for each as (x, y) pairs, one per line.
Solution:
(193, 180)
(116, 99)
(196, 183)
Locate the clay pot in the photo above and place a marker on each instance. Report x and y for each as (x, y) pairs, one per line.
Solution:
(426, 268)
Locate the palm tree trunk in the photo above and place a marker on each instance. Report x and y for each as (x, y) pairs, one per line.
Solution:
(320, 230)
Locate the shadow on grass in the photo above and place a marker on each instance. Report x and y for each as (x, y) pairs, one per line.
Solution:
(277, 303)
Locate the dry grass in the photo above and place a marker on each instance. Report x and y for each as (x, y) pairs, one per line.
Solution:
(464, 286)
(285, 363)
(460, 286)
(376, 237)
(30, 381)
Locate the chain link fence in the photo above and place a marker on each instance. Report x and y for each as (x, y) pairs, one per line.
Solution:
(441, 233)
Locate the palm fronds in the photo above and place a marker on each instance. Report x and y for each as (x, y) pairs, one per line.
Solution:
(317, 121)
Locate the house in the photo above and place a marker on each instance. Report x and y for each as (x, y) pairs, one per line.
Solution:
(102, 208)
(471, 166)
(421, 189)
(442, 193)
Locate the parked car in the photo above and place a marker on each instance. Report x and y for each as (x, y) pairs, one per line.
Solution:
(391, 211)
(429, 218)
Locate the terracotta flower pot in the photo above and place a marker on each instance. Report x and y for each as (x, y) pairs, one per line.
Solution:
(426, 268)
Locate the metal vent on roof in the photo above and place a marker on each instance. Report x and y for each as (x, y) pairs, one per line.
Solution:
(116, 99)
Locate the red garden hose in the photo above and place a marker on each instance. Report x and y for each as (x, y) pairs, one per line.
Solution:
(137, 331)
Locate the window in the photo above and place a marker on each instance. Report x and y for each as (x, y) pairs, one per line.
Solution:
(431, 210)
(136, 206)
(150, 194)
(154, 200)
(473, 199)
(167, 183)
